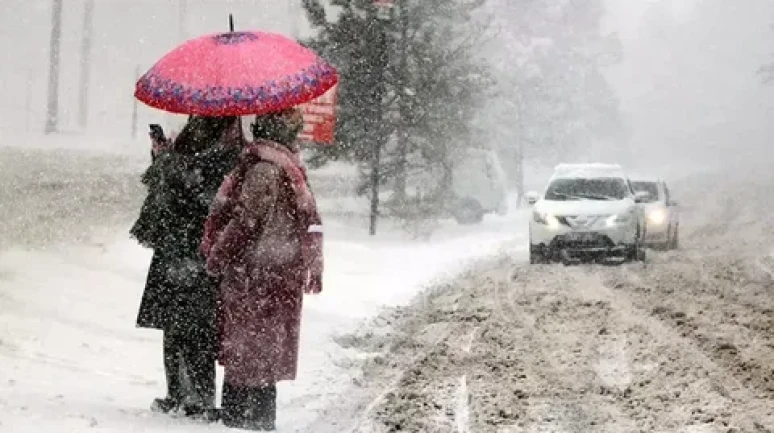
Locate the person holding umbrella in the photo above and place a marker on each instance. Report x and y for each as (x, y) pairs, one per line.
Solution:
(263, 237)
(179, 296)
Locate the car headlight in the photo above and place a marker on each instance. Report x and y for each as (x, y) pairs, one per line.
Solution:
(546, 219)
(618, 219)
(657, 216)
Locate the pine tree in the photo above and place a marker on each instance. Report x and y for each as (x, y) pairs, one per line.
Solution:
(432, 83)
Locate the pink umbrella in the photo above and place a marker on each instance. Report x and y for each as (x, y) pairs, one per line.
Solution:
(235, 74)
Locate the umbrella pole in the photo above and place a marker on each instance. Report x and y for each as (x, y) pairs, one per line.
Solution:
(231, 22)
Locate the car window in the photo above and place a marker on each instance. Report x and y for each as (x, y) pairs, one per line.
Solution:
(650, 187)
(601, 188)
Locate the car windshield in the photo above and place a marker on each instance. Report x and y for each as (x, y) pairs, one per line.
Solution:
(602, 188)
(650, 187)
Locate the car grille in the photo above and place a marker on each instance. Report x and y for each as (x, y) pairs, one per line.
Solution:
(582, 221)
(589, 241)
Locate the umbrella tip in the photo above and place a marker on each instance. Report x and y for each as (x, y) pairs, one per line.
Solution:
(231, 22)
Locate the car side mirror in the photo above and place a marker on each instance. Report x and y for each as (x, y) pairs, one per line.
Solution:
(641, 196)
(532, 197)
(672, 203)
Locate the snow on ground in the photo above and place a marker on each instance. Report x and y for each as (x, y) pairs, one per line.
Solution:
(73, 360)
(683, 343)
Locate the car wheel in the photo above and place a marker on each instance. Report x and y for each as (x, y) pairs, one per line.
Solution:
(675, 241)
(641, 254)
(667, 244)
(636, 251)
(534, 257)
(469, 211)
(536, 254)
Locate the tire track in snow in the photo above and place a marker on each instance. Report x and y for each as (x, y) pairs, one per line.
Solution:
(571, 408)
(462, 413)
(613, 366)
(749, 410)
(365, 422)
(766, 264)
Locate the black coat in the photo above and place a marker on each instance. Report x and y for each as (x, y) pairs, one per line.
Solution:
(178, 291)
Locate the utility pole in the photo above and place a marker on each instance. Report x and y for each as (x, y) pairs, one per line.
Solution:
(86, 42)
(52, 117)
(378, 65)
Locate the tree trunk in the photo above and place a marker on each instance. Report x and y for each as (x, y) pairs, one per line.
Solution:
(520, 175)
(52, 117)
(86, 42)
(28, 100)
(379, 64)
(403, 109)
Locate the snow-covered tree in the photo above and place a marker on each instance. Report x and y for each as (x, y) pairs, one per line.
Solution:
(409, 85)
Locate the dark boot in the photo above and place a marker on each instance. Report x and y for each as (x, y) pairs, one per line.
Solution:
(199, 358)
(173, 365)
(250, 408)
(266, 408)
(233, 405)
(165, 405)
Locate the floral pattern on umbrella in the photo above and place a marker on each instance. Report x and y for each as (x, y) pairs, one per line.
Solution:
(235, 74)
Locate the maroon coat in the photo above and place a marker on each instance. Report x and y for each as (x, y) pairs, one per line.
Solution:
(256, 240)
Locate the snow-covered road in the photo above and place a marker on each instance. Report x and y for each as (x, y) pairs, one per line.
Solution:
(681, 344)
(71, 357)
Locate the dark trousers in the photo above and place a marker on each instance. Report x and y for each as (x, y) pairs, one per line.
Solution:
(189, 364)
(249, 408)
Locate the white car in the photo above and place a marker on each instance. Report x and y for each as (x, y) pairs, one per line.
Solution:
(588, 211)
(663, 214)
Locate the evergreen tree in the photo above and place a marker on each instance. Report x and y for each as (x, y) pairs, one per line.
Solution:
(432, 85)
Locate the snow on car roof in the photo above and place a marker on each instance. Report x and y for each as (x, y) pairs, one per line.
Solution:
(587, 170)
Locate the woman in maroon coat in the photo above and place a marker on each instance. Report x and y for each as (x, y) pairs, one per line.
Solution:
(263, 238)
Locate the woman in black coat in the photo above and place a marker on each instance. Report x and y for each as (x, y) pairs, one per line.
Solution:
(179, 296)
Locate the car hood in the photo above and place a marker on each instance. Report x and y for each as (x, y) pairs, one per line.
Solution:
(583, 207)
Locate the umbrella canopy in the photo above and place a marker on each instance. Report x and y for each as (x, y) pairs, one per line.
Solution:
(235, 74)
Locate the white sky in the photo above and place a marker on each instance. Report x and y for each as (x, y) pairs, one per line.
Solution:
(695, 96)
